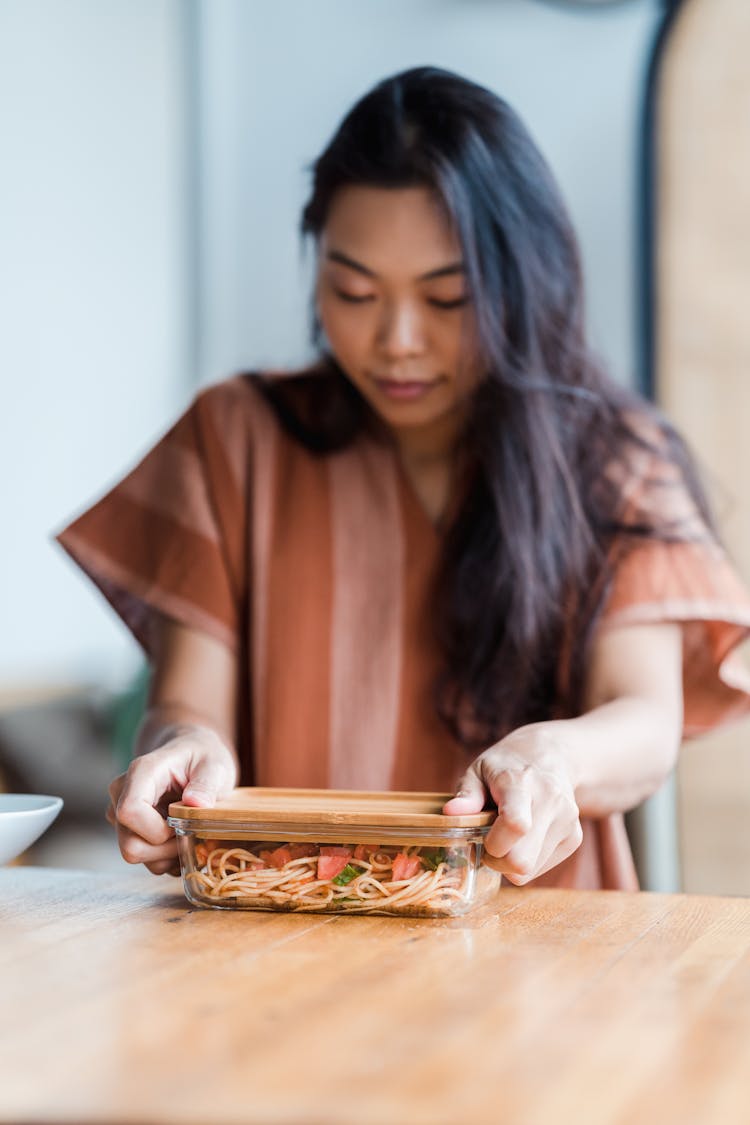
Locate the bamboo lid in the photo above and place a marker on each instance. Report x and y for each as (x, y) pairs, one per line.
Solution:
(333, 806)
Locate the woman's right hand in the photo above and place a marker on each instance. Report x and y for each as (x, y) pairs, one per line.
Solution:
(184, 747)
(194, 765)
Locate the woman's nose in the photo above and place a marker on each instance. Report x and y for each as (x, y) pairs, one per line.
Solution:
(400, 331)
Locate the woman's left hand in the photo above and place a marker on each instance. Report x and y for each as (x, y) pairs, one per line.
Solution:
(528, 776)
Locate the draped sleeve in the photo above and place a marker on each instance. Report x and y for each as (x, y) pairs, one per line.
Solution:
(170, 537)
(685, 578)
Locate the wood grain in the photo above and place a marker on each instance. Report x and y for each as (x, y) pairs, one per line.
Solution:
(703, 362)
(302, 807)
(128, 1006)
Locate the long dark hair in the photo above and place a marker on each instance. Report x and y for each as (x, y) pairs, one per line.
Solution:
(552, 441)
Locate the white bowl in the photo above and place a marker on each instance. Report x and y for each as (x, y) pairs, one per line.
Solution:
(23, 818)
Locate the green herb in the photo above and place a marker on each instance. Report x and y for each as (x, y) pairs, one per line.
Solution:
(350, 872)
(432, 857)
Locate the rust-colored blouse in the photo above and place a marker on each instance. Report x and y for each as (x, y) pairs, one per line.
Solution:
(315, 571)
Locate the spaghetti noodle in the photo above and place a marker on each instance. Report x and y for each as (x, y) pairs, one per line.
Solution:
(362, 878)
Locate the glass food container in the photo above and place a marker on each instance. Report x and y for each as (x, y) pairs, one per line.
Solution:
(333, 851)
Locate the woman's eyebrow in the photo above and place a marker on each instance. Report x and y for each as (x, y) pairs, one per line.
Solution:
(345, 260)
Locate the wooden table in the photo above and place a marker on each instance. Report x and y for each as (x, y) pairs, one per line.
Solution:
(121, 1004)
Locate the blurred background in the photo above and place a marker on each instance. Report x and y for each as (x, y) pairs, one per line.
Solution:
(155, 163)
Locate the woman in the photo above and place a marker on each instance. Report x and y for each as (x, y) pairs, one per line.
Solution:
(451, 555)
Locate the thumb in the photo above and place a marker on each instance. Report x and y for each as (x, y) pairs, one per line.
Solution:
(207, 781)
(470, 796)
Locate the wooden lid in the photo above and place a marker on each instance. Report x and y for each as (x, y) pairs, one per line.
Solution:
(332, 807)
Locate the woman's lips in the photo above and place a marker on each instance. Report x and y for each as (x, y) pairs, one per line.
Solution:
(404, 391)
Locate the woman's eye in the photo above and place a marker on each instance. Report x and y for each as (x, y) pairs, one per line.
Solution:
(456, 303)
(352, 298)
(359, 299)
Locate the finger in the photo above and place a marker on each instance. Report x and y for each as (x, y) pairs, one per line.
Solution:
(470, 796)
(146, 782)
(136, 814)
(115, 788)
(208, 780)
(514, 816)
(520, 876)
(522, 863)
(501, 839)
(163, 867)
(559, 845)
(538, 852)
(521, 860)
(135, 849)
(562, 852)
(515, 806)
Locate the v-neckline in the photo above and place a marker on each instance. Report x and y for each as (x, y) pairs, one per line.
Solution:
(378, 434)
(412, 500)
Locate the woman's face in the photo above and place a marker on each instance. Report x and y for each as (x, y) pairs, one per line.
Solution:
(392, 299)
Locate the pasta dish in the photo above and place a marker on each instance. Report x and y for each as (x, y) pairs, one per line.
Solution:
(311, 877)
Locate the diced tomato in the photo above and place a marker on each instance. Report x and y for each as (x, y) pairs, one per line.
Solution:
(265, 859)
(364, 851)
(405, 867)
(329, 866)
(336, 849)
(301, 851)
(280, 856)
